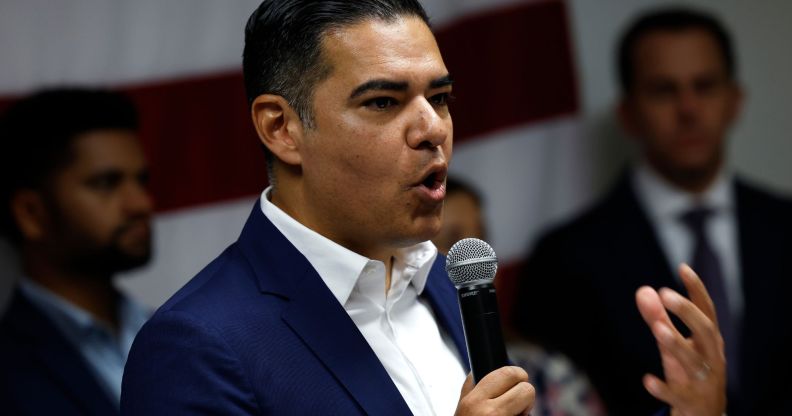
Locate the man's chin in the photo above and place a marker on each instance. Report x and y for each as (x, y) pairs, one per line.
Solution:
(424, 232)
(130, 263)
(116, 259)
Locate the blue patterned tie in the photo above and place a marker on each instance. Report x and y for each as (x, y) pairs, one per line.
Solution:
(706, 263)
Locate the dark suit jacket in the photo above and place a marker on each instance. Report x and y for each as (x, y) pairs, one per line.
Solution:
(41, 373)
(258, 332)
(577, 294)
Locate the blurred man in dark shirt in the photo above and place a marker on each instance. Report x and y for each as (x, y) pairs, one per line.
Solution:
(76, 208)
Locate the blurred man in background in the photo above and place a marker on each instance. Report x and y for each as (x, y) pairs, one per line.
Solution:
(560, 389)
(679, 203)
(463, 215)
(76, 209)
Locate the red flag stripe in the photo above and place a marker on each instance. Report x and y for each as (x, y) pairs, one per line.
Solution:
(511, 66)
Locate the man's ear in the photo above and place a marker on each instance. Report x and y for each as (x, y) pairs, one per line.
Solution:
(278, 127)
(30, 214)
(736, 101)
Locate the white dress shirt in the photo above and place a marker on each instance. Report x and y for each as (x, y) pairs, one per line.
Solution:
(400, 327)
(664, 203)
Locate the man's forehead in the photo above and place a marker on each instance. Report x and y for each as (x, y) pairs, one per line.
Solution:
(106, 147)
(383, 48)
(667, 42)
(689, 48)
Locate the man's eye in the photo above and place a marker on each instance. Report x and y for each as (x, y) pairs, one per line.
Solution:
(104, 182)
(143, 178)
(380, 103)
(706, 87)
(661, 90)
(441, 99)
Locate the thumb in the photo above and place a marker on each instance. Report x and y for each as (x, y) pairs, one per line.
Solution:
(467, 386)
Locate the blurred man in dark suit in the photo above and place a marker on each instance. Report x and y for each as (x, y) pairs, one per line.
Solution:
(76, 208)
(679, 203)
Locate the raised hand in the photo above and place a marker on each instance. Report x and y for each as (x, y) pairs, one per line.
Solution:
(694, 367)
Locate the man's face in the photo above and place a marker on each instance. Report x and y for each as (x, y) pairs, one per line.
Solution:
(99, 204)
(682, 103)
(374, 165)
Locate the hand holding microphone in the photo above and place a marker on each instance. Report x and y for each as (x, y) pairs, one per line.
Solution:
(496, 387)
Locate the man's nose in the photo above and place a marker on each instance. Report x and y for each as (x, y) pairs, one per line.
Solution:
(138, 199)
(688, 105)
(429, 128)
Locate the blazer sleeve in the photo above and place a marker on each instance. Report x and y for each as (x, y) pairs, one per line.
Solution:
(179, 365)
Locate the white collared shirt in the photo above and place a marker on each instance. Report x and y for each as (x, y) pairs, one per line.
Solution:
(400, 327)
(664, 203)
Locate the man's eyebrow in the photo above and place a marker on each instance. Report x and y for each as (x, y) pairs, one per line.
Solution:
(378, 85)
(387, 85)
(441, 82)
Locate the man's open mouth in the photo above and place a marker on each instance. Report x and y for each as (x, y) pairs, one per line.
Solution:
(435, 178)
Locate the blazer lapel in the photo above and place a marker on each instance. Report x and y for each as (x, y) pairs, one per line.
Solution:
(323, 324)
(66, 366)
(642, 257)
(315, 315)
(443, 297)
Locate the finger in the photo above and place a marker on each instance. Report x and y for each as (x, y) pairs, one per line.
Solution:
(680, 350)
(673, 371)
(698, 292)
(499, 382)
(517, 400)
(705, 333)
(653, 312)
(650, 306)
(659, 389)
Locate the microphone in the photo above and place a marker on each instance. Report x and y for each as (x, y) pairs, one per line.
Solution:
(471, 265)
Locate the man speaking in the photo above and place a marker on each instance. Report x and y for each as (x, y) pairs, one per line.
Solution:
(333, 300)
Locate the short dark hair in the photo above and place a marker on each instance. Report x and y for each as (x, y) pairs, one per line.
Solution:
(283, 39)
(37, 132)
(670, 19)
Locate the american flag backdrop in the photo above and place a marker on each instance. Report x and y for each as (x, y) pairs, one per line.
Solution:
(519, 122)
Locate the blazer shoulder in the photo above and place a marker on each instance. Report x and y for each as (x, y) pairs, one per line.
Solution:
(756, 198)
(594, 221)
(229, 265)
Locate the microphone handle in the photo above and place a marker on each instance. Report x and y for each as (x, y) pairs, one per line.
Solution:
(483, 335)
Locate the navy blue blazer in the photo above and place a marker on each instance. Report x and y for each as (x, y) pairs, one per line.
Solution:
(41, 372)
(258, 332)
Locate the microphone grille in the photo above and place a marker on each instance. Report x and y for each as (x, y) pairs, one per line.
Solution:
(471, 260)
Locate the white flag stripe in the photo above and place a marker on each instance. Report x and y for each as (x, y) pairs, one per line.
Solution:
(530, 176)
